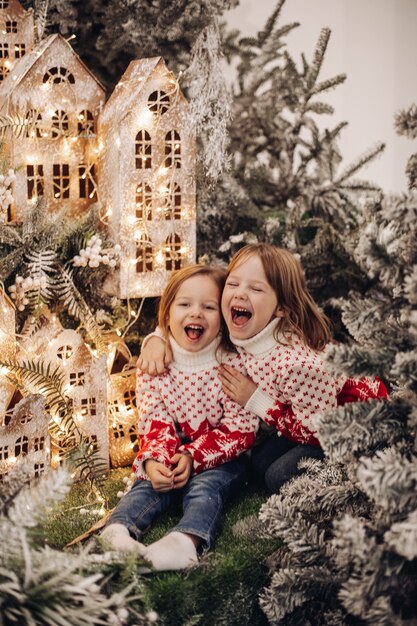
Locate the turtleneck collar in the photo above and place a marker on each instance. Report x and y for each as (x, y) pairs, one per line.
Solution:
(192, 361)
(261, 343)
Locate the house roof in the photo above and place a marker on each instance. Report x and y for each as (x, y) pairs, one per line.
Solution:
(29, 61)
(15, 9)
(122, 100)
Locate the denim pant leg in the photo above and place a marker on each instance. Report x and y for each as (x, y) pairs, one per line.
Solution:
(204, 497)
(139, 507)
(286, 466)
(264, 454)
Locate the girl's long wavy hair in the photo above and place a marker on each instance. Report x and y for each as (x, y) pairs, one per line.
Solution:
(284, 274)
(217, 274)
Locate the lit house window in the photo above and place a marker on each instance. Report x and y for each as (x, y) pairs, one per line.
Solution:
(173, 252)
(19, 50)
(38, 443)
(173, 208)
(159, 102)
(39, 469)
(56, 75)
(144, 256)
(4, 70)
(35, 181)
(85, 124)
(118, 431)
(4, 453)
(143, 202)
(88, 407)
(21, 446)
(4, 50)
(11, 26)
(172, 149)
(34, 121)
(143, 150)
(87, 181)
(60, 124)
(77, 378)
(61, 180)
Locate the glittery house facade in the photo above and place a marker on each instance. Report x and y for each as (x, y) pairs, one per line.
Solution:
(16, 34)
(58, 100)
(147, 177)
(24, 434)
(7, 347)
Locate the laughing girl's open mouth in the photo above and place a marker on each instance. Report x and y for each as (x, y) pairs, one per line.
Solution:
(240, 315)
(194, 331)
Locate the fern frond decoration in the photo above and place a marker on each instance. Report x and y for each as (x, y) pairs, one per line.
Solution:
(36, 376)
(17, 124)
(50, 382)
(91, 466)
(77, 306)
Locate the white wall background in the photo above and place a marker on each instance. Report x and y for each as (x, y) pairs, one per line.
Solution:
(375, 43)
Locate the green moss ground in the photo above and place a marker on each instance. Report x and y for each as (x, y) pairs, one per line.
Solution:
(222, 591)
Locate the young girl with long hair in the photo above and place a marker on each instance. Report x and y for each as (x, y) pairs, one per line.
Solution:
(280, 333)
(191, 432)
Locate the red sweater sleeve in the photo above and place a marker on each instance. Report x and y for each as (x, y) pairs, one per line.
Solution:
(158, 435)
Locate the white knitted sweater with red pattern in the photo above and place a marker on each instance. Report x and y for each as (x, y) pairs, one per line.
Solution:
(188, 404)
(289, 374)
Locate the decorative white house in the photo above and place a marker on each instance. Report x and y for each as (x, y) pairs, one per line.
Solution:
(59, 100)
(7, 348)
(123, 418)
(147, 177)
(24, 433)
(16, 34)
(85, 379)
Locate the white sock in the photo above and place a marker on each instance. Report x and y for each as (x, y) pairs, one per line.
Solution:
(117, 537)
(174, 551)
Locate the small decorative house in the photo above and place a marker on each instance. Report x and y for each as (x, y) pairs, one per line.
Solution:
(7, 347)
(16, 34)
(24, 433)
(86, 377)
(123, 418)
(58, 99)
(86, 380)
(147, 177)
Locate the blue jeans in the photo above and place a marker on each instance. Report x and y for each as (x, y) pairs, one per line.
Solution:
(276, 460)
(203, 499)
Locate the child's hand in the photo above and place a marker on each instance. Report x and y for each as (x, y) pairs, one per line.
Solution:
(183, 465)
(237, 386)
(155, 356)
(161, 477)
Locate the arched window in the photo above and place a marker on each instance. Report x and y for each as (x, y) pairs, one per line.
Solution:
(56, 75)
(159, 102)
(85, 124)
(173, 207)
(21, 446)
(60, 124)
(172, 149)
(34, 123)
(64, 352)
(4, 4)
(173, 252)
(143, 202)
(143, 150)
(144, 256)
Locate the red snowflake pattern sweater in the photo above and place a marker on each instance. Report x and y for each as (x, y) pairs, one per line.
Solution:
(188, 404)
(294, 386)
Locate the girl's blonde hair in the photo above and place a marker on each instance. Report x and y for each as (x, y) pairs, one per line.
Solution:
(285, 275)
(217, 274)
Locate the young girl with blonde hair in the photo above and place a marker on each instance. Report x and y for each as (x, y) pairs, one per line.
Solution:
(280, 333)
(191, 432)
